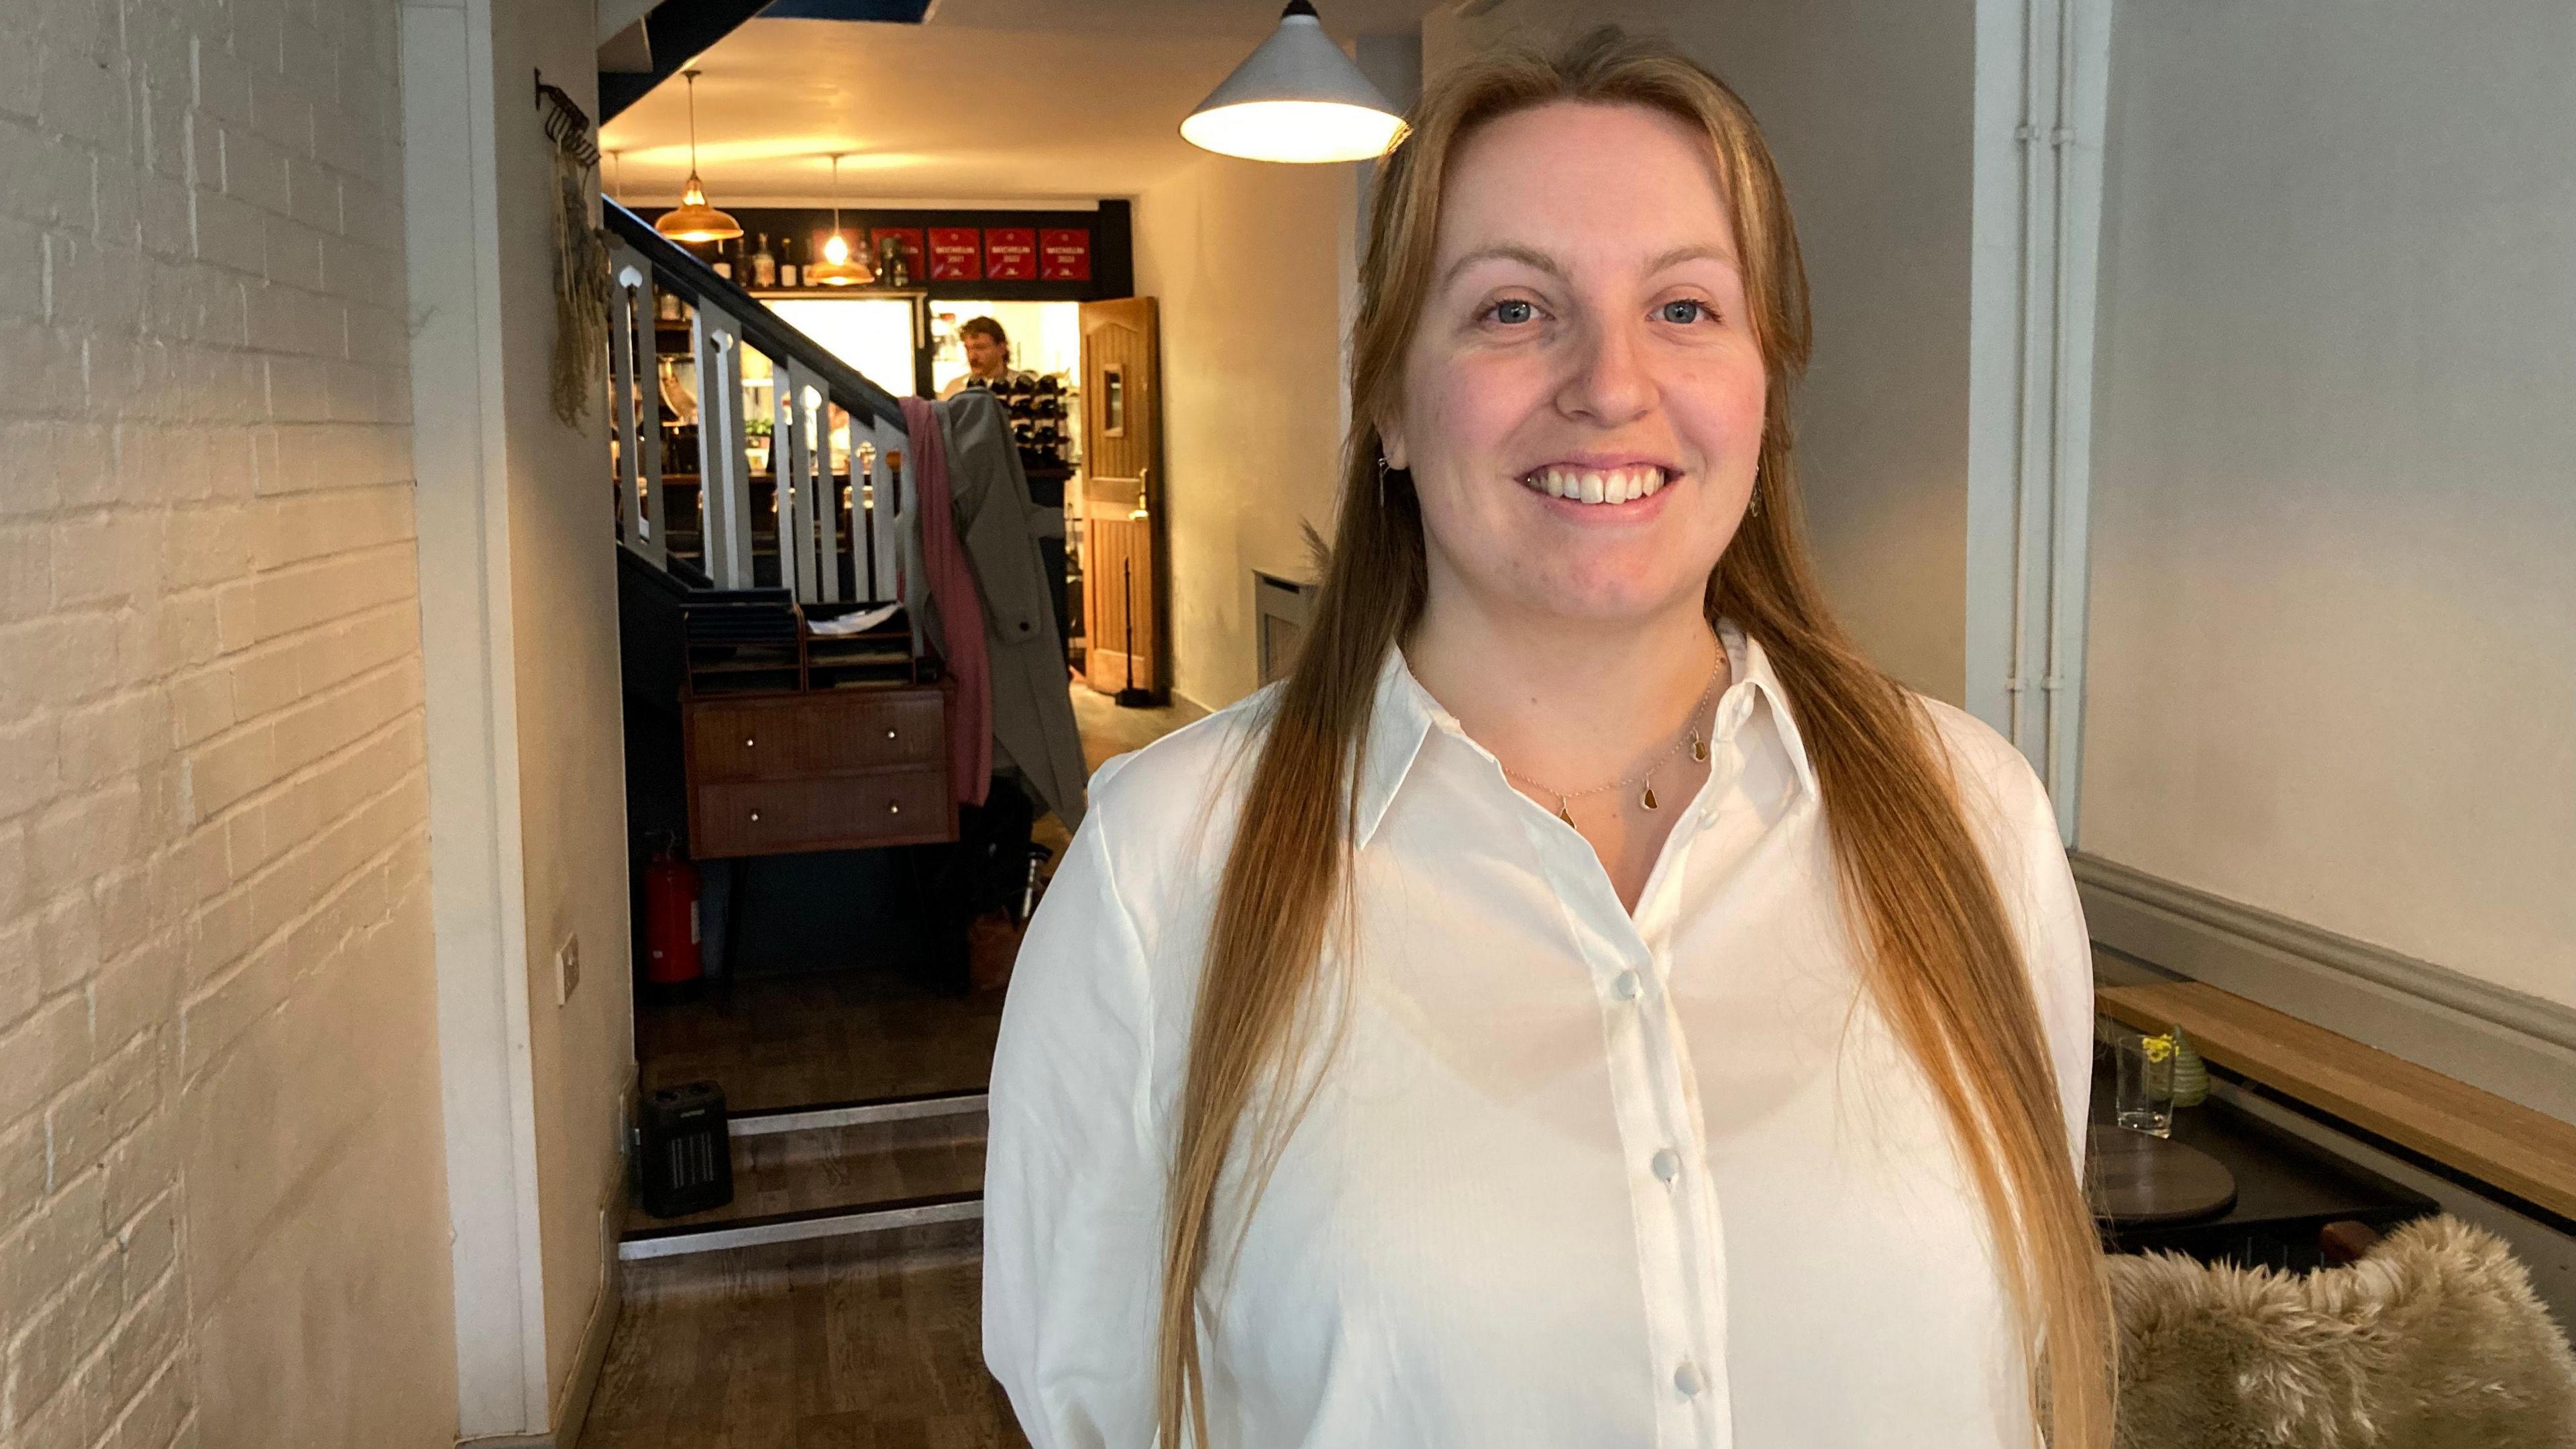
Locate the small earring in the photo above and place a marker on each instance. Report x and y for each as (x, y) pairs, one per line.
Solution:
(1756, 510)
(1381, 483)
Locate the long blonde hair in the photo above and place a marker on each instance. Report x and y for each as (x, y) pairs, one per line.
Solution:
(1942, 964)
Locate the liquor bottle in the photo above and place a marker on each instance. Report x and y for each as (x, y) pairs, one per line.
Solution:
(764, 265)
(787, 261)
(724, 262)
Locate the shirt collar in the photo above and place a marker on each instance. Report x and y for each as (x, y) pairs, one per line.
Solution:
(1405, 714)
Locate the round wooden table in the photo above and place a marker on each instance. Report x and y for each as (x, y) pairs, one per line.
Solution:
(2133, 1178)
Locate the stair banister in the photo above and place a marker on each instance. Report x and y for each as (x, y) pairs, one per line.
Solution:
(808, 381)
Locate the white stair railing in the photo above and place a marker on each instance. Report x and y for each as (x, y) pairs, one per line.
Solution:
(814, 397)
(635, 405)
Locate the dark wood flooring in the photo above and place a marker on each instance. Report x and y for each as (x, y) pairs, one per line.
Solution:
(841, 1036)
(867, 1354)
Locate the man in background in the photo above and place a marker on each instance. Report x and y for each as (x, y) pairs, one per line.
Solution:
(988, 357)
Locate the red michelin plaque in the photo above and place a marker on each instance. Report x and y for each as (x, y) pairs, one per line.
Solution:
(956, 254)
(1064, 254)
(1010, 254)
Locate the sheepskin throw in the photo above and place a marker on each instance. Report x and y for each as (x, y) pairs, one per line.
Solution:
(2433, 1340)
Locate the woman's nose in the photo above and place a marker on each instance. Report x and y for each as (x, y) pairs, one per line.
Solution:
(1606, 380)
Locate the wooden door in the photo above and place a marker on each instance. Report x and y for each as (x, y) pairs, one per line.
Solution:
(1123, 584)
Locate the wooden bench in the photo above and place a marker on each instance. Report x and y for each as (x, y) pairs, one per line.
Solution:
(2529, 1154)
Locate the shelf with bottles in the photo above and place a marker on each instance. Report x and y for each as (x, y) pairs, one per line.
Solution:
(753, 261)
(760, 263)
(825, 294)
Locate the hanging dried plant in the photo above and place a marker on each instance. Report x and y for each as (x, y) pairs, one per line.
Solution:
(581, 289)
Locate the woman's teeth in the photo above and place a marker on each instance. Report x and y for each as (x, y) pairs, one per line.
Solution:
(1589, 485)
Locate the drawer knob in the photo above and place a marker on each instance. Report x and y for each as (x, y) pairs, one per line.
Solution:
(755, 815)
(748, 743)
(889, 734)
(893, 808)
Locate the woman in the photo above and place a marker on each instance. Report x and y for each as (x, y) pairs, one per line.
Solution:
(1586, 1004)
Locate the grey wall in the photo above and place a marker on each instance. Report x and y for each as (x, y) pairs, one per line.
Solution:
(2333, 609)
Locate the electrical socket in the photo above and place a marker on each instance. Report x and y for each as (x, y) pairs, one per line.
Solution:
(567, 969)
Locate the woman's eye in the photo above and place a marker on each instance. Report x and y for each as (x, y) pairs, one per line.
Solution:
(1684, 312)
(1513, 313)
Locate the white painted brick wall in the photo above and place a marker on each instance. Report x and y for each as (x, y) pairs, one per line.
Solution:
(213, 837)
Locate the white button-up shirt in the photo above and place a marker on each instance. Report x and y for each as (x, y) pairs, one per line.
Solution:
(1574, 1177)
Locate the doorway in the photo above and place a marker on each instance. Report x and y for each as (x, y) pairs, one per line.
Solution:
(1121, 502)
(838, 980)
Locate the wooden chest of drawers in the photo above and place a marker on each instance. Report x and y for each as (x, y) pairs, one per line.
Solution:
(818, 770)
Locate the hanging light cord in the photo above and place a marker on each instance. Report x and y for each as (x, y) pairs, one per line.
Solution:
(693, 123)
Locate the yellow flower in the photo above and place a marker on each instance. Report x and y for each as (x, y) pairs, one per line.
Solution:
(2159, 1048)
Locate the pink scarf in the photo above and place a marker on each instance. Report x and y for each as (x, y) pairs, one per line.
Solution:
(961, 615)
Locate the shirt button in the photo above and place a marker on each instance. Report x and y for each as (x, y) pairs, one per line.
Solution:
(1667, 1165)
(1687, 1379)
(1624, 986)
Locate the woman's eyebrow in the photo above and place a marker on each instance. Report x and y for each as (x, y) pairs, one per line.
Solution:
(1541, 261)
(1504, 252)
(1695, 252)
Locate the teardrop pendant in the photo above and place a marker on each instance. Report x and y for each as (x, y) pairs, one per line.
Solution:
(1649, 799)
(1699, 748)
(1562, 813)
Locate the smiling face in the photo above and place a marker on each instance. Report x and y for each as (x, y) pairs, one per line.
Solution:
(1583, 395)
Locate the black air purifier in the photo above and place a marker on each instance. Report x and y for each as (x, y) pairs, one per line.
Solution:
(685, 1151)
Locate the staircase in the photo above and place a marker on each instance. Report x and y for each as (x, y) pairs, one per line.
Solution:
(893, 1176)
(836, 1301)
(822, 516)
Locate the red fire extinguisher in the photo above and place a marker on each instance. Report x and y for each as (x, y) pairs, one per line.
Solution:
(671, 919)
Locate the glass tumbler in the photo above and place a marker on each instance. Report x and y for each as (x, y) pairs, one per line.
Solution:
(2144, 1089)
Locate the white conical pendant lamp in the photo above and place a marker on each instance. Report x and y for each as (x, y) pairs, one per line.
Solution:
(1297, 98)
(693, 220)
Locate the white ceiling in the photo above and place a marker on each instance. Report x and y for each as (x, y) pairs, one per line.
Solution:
(1249, 19)
(988, 100)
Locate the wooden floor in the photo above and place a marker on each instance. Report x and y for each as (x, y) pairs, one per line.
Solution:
(842, 1036)
(835, 1355)
(1108, 730)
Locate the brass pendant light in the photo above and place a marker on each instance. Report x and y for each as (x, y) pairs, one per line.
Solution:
(694, 221)
(836, 269)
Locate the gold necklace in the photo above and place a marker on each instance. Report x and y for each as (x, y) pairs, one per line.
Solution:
(1690, 739)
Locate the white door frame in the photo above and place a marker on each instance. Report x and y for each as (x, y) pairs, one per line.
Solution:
(478, 897)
